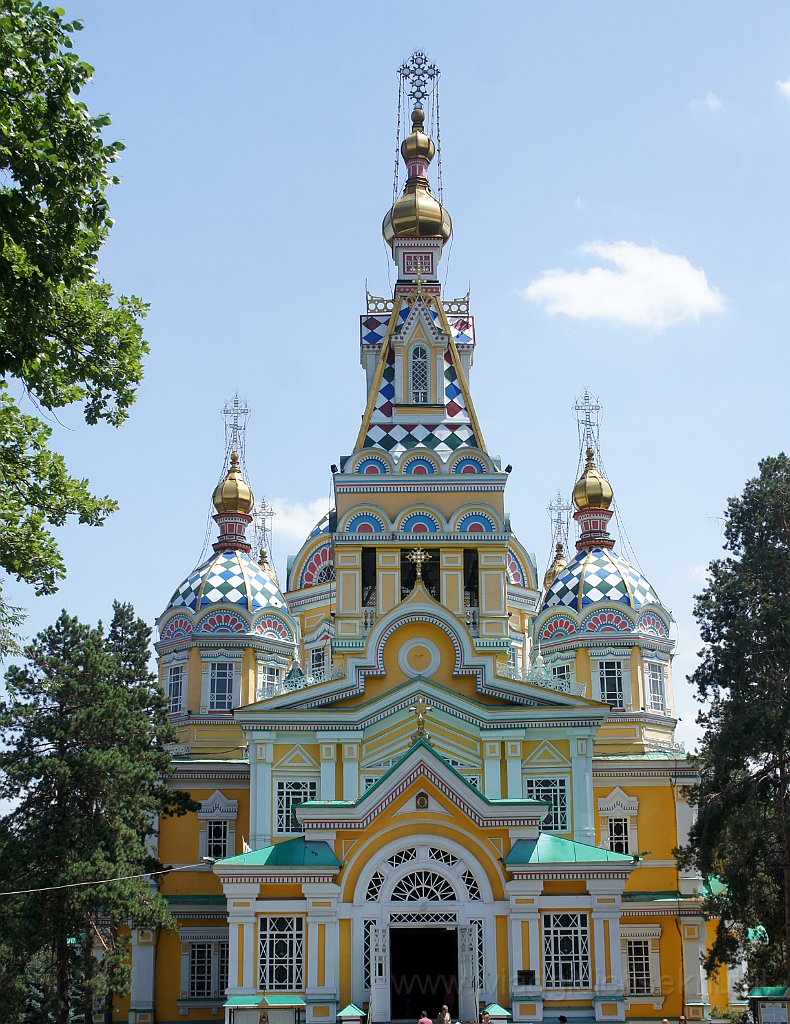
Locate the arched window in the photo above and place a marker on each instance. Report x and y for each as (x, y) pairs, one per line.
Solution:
(419, 376)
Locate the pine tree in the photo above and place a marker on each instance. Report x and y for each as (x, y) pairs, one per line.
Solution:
(742, 831)
(83, 762)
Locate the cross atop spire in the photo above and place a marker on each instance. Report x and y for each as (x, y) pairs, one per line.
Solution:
(418, 557)
(418, 72)
(587, 409)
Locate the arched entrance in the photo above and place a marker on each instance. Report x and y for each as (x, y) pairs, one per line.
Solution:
(426, 910)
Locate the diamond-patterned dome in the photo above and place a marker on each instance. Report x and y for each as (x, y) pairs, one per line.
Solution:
(229, 577)
(599, 574)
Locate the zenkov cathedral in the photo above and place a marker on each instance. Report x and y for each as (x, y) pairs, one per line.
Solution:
(425, 776)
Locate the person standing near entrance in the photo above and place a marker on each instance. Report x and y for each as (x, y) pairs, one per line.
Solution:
(444, 1015)
(424, 1019)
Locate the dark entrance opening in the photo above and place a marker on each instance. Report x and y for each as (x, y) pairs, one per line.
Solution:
(423, 972)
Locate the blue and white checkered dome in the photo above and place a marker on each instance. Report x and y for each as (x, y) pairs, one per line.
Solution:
(599, 574)
(229, 577)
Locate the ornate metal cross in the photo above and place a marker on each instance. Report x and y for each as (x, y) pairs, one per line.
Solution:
(420, 708)
(418, 557)
(418, 71)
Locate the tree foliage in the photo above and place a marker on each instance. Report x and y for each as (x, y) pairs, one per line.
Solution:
(742, 830)
(83, 763)
(64, 338)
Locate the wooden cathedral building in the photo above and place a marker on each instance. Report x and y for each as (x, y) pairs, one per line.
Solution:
(425, 776)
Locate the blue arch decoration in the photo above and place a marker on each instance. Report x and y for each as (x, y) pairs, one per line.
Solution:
(419, 465)
(371, 464)
(468, 464)
(419, 522)
(476, 522)
(364, 522)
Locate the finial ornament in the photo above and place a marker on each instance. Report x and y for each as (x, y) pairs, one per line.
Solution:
(420, 708)
(418, 557)
(418, 72)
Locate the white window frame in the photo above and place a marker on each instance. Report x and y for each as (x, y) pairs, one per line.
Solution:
(218, 808)
(571, 969)
(176, 674)
(272, 929)
(420, 395)
(268, 680)
(555, 784)
(651, 935)
(607, 669)
(285, 790)
(215, 943)
(209, 661)
(655, 672)
(618, 805)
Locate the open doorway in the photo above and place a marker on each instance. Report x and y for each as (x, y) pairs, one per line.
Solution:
(423, 972)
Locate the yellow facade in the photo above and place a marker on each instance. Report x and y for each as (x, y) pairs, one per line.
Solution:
(422, 779)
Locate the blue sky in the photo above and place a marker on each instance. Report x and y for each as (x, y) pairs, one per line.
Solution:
(617, 174)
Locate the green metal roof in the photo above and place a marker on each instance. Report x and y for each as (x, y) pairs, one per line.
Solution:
(284, 1001)
(198, 899)
(292, 853)
(653, 895)
(495, 1010)
(547, 849)
(351, 1011)
(769, 992)
(244, 1001)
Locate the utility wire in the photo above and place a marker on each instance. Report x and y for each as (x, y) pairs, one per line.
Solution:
(102, 881)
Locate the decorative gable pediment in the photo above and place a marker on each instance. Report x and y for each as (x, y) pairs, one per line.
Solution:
(546, 755)
(618, 801)
(218, 806)
(297, 758)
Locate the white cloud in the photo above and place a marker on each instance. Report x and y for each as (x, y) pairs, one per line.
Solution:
(784, 87)
(711, 102)
(294, 521)
(645, 288)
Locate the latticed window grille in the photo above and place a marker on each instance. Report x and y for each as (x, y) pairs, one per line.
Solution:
(561, 673)
(610, 678)
(325, 574)
(268, 681)
(374, 886)
(477, 946)
(638, 954)
(424, 919)
(422, 885)
(281, 954)
(368, 781)
(554, 792)
(471, 885)
(217, 839)
(419, 375)
(367, 946)
(402, 856)
(566, 950)
(317, 662)
(221, 686)
(444, 857)
(222, 967)
(175, 689)
(656, 697)
(200, 955)
(618, 835)
(290, 793)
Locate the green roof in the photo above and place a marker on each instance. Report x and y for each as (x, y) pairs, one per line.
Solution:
(351, 1011)
(547, 849)
(244, 1001)
(284, 1001)
(654, 895)
(291, 853)
(495, 1010)
(199, 899)
(769, 992)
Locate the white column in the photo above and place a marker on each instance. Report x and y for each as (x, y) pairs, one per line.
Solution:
(492, 784)
(515, 788)
(141, 996)
(582, 787)
(323, 977)
(261, 757)
(606, 895)
(524, 907)
(328, 765)
(694, 978)
(350, 771)
(241, 897)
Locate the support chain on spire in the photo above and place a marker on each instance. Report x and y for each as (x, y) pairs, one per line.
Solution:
(236, 414)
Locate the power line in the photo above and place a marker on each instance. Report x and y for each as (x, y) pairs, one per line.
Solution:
(102, 881)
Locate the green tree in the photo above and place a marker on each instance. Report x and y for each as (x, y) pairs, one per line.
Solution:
(84, 764)
(741, 835)
(64, 338)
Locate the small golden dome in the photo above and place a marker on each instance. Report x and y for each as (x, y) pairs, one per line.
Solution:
(233, 494)
(417, 145)
(556, 566)
(592, 489)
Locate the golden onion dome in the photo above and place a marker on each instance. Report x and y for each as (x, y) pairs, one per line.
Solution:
(417, 213)
(233, 494)
(417, 145)
(556, 566)
(592, 489)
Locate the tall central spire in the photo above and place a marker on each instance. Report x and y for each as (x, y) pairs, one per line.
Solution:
(417, 213)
